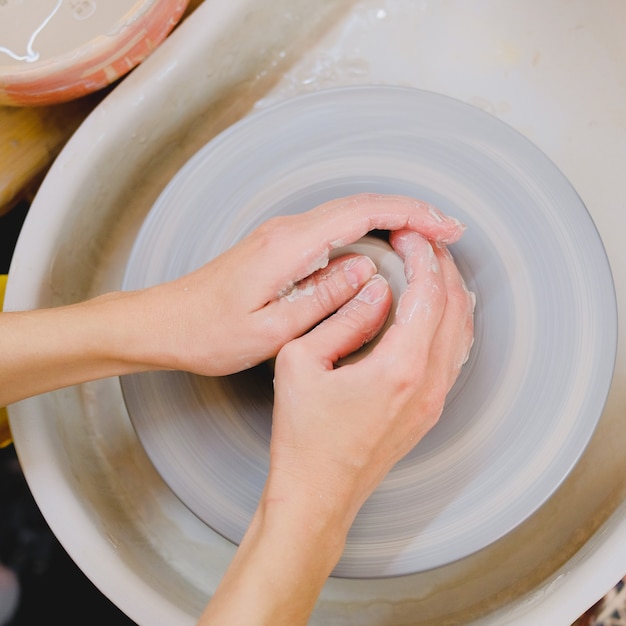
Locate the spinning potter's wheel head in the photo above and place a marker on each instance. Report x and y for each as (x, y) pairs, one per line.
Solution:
(525, 404)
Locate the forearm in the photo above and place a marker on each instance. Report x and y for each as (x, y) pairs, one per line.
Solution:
(284, 560)
(52, 348)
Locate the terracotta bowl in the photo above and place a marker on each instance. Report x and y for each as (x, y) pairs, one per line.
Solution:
(52, 51)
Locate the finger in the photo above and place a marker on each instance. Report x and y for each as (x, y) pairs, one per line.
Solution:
(324, 291)
(305, 241)
(454, 337)
(319, 295)
(353, 325)
(355, 216)
(421, 305)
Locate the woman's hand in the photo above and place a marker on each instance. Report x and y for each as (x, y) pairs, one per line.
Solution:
(337, 431)
(275, 284)
(232, 313)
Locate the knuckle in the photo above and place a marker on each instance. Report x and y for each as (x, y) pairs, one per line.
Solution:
(415, 387)
(360, 319)
(431, 403)
(404, 382)
(266, 234)
(290, 355)
(329, 291)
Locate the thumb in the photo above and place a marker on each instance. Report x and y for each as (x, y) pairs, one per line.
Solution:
(351, 326)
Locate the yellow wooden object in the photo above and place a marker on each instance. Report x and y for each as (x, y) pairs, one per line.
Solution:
(30, 139)
(5, 431)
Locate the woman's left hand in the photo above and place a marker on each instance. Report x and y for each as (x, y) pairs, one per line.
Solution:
(277, 283)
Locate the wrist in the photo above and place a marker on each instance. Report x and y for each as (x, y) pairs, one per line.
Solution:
(289, 550)
(132, 333)
(312, 522)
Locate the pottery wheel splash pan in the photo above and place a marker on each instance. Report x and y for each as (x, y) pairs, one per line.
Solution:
(526, 403)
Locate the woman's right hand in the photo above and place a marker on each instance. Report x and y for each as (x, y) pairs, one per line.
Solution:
(337, 431)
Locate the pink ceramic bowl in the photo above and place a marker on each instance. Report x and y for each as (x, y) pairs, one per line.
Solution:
(57, 50)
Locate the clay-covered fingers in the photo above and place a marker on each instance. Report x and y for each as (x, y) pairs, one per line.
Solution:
(436, 310)
(322, 293)
(356, 215)
(295, 246)
(420, 307)
(347, 330)
(455, 335)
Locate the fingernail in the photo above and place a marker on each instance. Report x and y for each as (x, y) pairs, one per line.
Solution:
(358, 269)
(460, 225)
(374, 291)
(436, 214)
(439, 216)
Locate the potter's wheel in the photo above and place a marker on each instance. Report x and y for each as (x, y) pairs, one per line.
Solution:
(525, 404)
